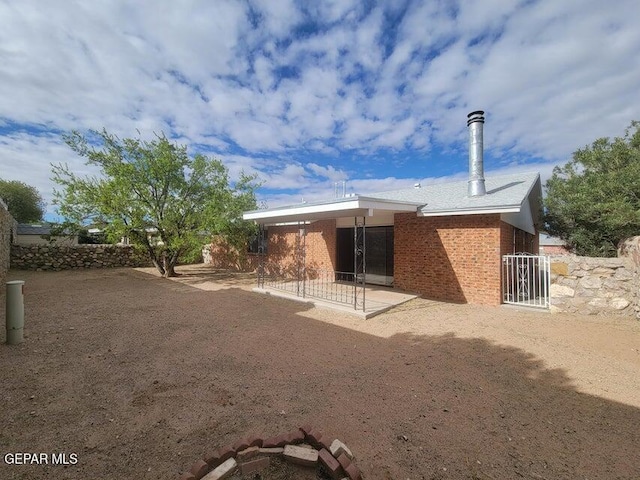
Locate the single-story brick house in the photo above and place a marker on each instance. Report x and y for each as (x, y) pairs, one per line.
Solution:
(443, 241)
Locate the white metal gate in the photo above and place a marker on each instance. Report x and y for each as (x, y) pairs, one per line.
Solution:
(526, 280)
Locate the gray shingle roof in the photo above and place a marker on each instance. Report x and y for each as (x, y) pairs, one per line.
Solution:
(26, 229)
(503, 191)
(509, 194)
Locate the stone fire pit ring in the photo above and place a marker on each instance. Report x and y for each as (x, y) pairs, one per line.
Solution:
(305, 447)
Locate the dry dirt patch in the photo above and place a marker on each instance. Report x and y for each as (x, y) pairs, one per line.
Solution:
(140, 376)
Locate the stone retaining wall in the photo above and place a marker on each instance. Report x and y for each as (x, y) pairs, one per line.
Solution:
(592, 286)
(55, 257)
(8, 233)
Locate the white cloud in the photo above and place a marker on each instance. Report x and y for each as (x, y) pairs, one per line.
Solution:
(329, 172)
(330, 11)
(396, 136)
(251, 81)
(277, 17)
(31, 158)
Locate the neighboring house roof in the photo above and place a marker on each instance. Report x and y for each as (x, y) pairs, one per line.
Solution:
(547, 240)
(515, 196)
(26, 229)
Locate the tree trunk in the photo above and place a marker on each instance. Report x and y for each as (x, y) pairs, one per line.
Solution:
(152, 255)
(169, 271)
(158, 266)
(169, 264)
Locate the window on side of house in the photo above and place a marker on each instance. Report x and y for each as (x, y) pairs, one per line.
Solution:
(258, 245)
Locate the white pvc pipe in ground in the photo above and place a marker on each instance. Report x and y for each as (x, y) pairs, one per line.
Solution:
(15, 311)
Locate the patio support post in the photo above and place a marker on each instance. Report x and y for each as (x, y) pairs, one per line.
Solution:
(298, 241)
(261, 255)
(355, 263)
(301, 259)
(364, 263)
(303, 234)
(360, 264)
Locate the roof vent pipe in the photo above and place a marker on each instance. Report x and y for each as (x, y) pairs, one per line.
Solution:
(475, 121)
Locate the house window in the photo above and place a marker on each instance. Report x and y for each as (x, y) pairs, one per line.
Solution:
(258, 245)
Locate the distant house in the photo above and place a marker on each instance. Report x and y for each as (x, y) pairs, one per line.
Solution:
(36, 235)
(553, 245)
(443, 241)
(152, 235)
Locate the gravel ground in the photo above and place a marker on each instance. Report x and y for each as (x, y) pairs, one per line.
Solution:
(139, 377)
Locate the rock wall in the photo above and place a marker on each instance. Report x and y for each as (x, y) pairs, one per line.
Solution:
(8, 232)
(630, 248)
(55, 257)
(593, 286)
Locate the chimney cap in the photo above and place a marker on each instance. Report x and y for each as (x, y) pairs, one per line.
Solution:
(476, 116)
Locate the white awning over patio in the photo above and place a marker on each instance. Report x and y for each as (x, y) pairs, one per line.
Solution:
(356, 206)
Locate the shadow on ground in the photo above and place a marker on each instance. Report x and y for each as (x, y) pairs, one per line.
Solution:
(204, 277)
(141, 376)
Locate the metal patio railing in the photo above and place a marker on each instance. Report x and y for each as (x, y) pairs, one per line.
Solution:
(329, 285)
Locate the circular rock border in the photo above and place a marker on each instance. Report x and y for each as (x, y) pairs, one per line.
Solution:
(304, 446)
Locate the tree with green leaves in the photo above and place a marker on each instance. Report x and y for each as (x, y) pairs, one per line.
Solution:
(593, 202)
(154, 193)
(23, 201)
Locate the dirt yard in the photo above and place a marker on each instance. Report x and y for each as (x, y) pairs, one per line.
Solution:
(139, 377)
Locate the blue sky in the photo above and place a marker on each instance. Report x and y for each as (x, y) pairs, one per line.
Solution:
(308, 93)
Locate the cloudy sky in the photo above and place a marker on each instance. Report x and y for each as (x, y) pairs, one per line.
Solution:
(309, 93)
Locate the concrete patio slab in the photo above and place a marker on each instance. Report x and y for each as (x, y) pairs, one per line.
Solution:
(377, 300)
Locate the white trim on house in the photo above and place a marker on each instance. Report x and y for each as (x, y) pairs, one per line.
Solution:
(522, 220)
(379, 219)
(349, 207)
(475, 211)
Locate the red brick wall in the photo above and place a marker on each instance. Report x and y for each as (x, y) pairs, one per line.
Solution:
(224, 256)
(506, 239)
(554, 250)
(281, 250)
(536, 244)
(454, 259)
(320, 246)
(523, 242)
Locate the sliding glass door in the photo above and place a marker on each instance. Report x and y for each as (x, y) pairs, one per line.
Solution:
(378, 256)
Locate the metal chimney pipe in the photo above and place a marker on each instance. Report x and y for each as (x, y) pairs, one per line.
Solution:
(475, 121)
